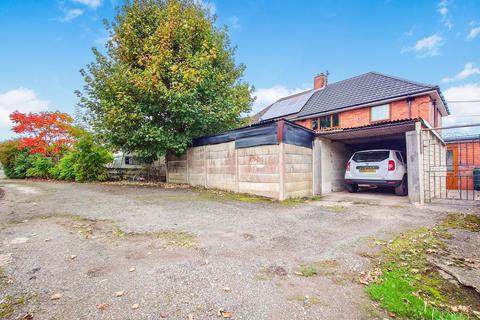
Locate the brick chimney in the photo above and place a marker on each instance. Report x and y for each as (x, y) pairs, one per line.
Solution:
(320, 81)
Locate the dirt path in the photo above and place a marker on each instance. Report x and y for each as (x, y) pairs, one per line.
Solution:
(191, 254)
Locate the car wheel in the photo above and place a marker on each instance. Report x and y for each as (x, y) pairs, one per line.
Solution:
(352, 187)
(402, 189)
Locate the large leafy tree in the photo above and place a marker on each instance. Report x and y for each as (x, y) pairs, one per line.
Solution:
(168, 76)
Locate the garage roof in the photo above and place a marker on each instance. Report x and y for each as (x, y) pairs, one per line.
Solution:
(366, 88)
(371, 132)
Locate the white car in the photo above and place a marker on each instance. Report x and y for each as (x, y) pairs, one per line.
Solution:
(381, 168)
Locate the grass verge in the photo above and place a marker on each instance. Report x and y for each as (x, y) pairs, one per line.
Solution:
(410, 285)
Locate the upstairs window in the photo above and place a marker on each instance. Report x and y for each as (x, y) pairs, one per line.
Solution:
(330, 121)
(380, 113)
(314, 124)
(325, 122)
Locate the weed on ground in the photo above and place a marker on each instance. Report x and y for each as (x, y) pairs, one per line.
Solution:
(408, 285)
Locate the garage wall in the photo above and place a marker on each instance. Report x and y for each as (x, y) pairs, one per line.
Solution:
(333, 160)
(221, 166)
(196, 166)
(434, 166)
(177, 169)
(259, 170)
(298, 171)
(278, 171)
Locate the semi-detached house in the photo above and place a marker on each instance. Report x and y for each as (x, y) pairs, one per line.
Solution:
(299, 145)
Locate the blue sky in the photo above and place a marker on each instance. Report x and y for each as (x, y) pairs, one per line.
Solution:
(282, 43)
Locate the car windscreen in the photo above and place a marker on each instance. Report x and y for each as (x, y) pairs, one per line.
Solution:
(371, 156)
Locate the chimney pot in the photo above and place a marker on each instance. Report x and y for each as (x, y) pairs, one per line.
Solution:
(320, 81)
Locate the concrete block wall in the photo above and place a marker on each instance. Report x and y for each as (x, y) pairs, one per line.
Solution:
(434, 166)
(196, 166)
(259, 170)
(334, 157)
(298, 171)
(177, 169)
(277, 171)
(221, 166)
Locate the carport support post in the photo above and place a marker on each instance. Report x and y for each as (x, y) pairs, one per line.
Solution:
(317, 169)
(415, 174)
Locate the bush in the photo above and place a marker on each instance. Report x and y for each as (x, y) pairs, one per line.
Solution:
(90, 160)
(65, 168)
(40, 167)
(8, 152)
(85, 163)
(15, 162)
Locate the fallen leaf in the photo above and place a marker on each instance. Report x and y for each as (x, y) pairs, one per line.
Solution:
(72, 257)
(190, 317)
(149, 252)
(28, 316)
(226, 289)
(226, 314)
(103, 306)
(135, 306)
(206, 261)
(131, 269)
(298, 273)
(119, 293)
(223, 313)
(372, 276)
(391, 314)
(56, 296)
(163, 315)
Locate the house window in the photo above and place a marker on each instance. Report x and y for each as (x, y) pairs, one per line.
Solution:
(325, 122)
(330, 121)
(450, 160)
(314, 124)
(335, 120)
(379, 113)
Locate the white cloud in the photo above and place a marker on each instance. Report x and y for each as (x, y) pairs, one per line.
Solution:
(463, 113)
(474, 32)
(20, 99)
(267, 96)
(468, 71)
(70, 15)
(234, 22)
(94, 4)
(426, 47)
(443, 10)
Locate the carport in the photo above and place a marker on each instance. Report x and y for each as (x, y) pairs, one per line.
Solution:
(333, 149)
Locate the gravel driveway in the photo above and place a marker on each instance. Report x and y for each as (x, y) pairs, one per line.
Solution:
(122, 252)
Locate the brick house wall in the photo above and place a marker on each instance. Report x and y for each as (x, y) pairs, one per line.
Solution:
(465, 156)
(421, 107)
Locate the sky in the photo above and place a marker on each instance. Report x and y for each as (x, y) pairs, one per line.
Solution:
(283, 44)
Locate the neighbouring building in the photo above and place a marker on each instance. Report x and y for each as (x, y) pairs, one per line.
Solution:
(299, 145)
(463, 164)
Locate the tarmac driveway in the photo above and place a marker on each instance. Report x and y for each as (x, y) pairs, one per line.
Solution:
(101, 251)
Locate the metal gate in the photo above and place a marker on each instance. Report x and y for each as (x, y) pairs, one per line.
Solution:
(451, 163)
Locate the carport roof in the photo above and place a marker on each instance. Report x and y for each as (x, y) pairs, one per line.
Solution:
(371, 132)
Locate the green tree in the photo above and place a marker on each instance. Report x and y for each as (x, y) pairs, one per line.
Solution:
(168, 76)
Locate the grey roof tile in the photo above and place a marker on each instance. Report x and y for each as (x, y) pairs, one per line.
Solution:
(366, 88)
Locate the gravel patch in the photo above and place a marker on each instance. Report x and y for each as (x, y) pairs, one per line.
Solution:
(173, 253)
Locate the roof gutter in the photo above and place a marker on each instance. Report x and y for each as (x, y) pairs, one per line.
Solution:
(373, 103)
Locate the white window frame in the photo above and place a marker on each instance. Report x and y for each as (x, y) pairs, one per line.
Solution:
(372, 119)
